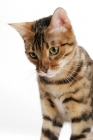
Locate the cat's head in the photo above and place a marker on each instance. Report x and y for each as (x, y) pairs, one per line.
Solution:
(49, 42)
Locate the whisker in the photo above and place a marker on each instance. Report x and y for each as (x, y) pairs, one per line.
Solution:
(74, 78)
(69, 68)
(71, 71)
(31, 84)
(62, 74)
(66, 72)
(24, 74)
(26, 78)
(31, 70)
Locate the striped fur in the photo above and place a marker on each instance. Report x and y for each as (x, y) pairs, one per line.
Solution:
(65, 80)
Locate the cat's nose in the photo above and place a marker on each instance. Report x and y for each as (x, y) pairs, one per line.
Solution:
(44, 66)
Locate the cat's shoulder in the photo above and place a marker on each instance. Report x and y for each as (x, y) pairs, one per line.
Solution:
(83, 51)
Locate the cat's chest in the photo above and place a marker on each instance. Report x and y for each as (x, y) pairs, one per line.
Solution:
(57, 90)
(62, 109)
(57, 94)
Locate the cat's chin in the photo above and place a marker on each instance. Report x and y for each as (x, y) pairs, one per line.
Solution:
(48, 75)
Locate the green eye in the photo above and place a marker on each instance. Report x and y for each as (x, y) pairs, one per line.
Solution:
(54, 50)
(33, 55)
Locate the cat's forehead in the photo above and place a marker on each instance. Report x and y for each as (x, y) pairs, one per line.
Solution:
(38, 37)
(42, 37)
(41, 24)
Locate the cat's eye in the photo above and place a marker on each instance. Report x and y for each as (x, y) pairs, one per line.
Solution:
(54, 50)
(33, 55)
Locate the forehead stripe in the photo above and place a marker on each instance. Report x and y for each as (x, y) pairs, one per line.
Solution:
(39, 27)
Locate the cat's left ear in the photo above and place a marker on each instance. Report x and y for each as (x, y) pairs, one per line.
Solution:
(24, 29)
(60, 20)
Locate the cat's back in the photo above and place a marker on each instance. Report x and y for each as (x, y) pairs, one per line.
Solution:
(87, 62)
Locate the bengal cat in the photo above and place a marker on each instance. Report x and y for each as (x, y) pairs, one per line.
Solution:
(64, 75)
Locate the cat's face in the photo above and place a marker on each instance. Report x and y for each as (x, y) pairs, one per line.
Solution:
(55, 51)
(49, 42)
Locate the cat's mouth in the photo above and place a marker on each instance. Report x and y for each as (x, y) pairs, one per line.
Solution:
(49, 73)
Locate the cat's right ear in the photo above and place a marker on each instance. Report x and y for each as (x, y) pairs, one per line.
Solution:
(59, 21)
(24, 29)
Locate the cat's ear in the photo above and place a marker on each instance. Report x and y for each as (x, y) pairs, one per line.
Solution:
(24, 29)
(60, 20)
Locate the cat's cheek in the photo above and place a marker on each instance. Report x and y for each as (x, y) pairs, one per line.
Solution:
(62, 64)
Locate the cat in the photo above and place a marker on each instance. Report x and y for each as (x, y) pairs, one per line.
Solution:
(64, 75)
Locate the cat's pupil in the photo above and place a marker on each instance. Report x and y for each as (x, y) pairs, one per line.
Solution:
(33, 55)
(54, 50)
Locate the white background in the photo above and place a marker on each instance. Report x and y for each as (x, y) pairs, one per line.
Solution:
(20, 112)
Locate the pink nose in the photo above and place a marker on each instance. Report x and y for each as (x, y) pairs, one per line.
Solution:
(45, 68)
(44, 65)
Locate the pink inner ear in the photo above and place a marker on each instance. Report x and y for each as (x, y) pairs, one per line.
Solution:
(65, 23)
(60, 18)
(62, 21)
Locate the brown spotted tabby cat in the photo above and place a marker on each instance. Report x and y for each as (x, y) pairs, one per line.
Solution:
(64, 73)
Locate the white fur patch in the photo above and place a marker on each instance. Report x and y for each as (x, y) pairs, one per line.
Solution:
(92, 129)
(61, 108)
(49, 74)
(90, 136)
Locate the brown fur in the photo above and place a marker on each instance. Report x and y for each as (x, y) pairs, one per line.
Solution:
(67, 95)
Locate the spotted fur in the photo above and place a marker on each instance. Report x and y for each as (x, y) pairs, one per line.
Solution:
(65, 79)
